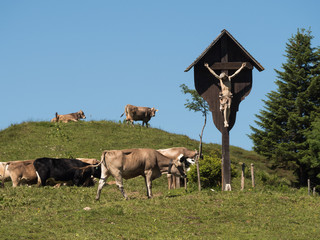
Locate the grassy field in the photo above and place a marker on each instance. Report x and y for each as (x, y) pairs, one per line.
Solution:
(72, 213)
(266, 212)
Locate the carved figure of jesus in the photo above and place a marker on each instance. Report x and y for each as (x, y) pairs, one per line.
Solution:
(225, 95)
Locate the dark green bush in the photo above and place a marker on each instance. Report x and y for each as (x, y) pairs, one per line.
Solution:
(210, 170)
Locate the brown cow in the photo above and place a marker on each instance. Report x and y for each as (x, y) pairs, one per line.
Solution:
(143, 114)
(21, 172)
(4, 173)
(175, 152)
(131, 163)
(69, 117)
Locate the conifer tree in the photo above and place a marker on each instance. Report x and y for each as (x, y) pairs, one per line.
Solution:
(286, 120)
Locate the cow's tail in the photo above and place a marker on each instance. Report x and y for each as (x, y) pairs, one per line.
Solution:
(89, 166)
(57, 117)
(39, 179)
(125, 111)
(103, 159)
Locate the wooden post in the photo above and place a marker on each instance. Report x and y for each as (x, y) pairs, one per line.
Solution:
(198, 172)
(314, 191)
(226, 168)
(252, 175)
(309, 190)
(185, 179)
(242, 175)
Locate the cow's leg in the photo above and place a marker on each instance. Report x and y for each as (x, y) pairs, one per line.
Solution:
(102, 182)
(149, 183)
(119, 183)
(177, 182)
(15, 178)
(169, 181)
(15, 181)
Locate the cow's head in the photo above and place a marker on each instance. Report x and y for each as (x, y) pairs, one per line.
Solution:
(189, 162)
(81, 114)
(177, 168)
(97, 171)
(153, 112)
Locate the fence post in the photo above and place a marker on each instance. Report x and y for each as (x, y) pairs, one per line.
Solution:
(198, 173)
(185, 179)
(242, 175)
(252, 175)
(309, 190)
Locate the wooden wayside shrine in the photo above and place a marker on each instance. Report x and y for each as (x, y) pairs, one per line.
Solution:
(224, 55)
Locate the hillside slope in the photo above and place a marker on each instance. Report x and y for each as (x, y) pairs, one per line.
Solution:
(31, 140)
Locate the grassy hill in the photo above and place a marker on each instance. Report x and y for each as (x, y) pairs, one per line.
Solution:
(265, 212)
(81, 139)
(31, 140)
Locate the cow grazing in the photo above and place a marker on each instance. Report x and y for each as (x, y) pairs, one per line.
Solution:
(174, 152)
(69, 117)
(131, 163)
(65, 170)
(143, 114)
(21, 172)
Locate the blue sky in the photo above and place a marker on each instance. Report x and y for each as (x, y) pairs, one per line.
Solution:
(98, 56)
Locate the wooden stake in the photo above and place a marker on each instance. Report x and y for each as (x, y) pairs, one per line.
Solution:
(242, 175)
(252, 175)
(226, 166)
(198, 173)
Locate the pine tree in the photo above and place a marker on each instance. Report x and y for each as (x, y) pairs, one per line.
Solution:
(286, 119)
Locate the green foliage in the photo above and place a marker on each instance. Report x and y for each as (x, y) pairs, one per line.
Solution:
(313, 139)
(271, 179)
(210, 170)
(286, 119)
(197, 103)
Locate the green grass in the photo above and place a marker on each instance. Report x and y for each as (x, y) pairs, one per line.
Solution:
(81, 139)
(266, 212)
(50, 213)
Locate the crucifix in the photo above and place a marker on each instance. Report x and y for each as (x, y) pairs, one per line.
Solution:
(226, 91)
(223, 77)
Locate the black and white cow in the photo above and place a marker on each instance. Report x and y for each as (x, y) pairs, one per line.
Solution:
(65, 170)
